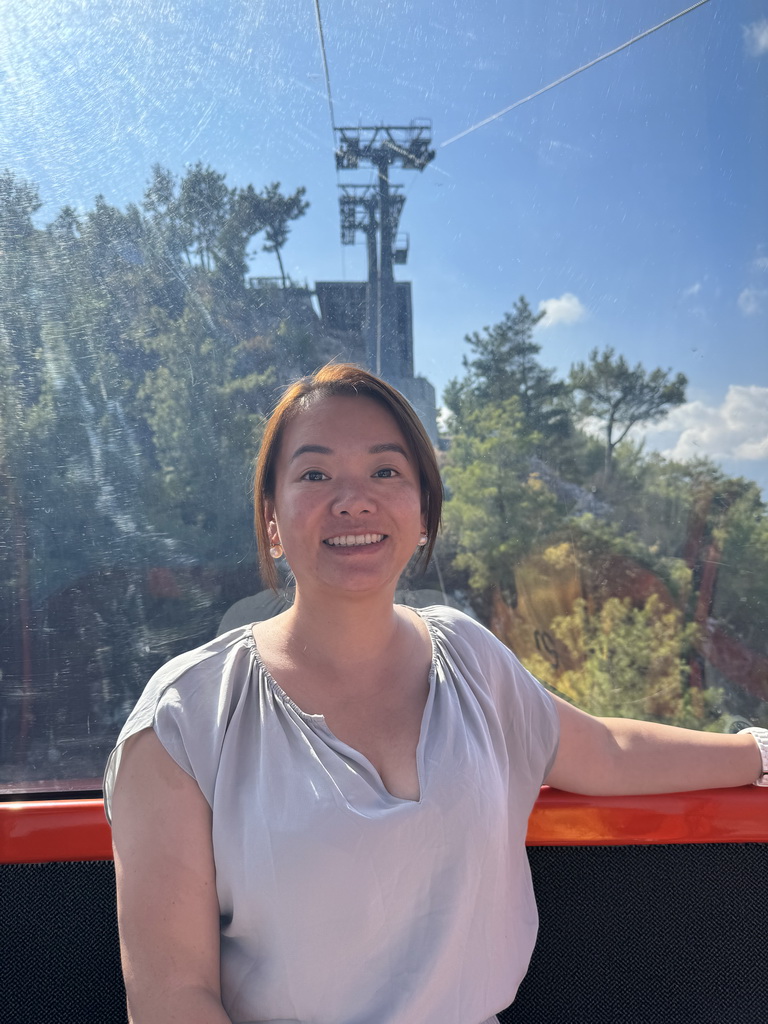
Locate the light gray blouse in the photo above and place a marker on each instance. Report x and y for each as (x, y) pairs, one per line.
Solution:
(340, 903)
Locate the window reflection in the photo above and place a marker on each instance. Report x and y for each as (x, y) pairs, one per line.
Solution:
(169, 257)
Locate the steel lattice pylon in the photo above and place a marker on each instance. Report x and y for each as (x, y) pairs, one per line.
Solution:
(375, 211)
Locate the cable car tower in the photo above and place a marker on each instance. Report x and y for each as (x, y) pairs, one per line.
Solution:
(375, 211)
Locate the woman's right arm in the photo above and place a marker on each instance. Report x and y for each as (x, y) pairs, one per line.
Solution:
(167, 906)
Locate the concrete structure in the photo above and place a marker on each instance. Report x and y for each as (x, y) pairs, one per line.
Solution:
(344, 309)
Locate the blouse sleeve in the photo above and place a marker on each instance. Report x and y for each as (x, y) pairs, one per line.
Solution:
(188, 703)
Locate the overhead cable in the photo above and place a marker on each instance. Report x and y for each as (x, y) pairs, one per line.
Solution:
(325, 67)
(571, 74)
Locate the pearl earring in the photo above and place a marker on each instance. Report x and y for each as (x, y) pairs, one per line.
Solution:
(276, 551)
(423, 540)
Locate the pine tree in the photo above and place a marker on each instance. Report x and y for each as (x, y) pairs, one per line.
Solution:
(504, 366)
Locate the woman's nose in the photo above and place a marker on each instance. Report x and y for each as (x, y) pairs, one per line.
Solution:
(353, 499)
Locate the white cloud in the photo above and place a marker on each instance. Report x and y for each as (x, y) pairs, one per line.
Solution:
(694, 289)
(761, 263)
(756, 37)
(565, 310)
(737, 429)
(750, 301)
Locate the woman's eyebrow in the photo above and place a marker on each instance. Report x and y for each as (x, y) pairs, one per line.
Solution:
(317, 449)
(390, 446)
(376, 449)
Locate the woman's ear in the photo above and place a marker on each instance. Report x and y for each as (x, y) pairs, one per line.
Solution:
(269, 519)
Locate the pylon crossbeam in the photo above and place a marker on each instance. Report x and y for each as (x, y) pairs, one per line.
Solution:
(408, 145)
(364, 198)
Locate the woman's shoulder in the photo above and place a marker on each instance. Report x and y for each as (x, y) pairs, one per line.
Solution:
(188, 668)
(455, 623)
(188, 702)
(193, 680)
(473, 649)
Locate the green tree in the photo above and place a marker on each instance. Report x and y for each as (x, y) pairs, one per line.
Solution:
(278, 212)
(26, 430)
(204, 435)
(204, 207)
(245, 221)
(738, 526)
(496, 509)
(135, 366)
(629, 661)
(505, 365)
(19, 293)
(213, 225)
(623, 396)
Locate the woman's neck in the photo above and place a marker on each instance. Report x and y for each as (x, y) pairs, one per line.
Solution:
(356, 630)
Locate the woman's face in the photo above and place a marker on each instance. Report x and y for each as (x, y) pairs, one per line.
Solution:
(348, 505)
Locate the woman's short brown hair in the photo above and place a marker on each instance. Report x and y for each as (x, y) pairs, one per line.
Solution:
(347, 380)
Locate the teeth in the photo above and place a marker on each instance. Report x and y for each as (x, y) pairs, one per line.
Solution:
(355, 540)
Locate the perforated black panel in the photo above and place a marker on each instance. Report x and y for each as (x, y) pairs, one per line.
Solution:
(59, 951)
(629, 935)
(648, 935)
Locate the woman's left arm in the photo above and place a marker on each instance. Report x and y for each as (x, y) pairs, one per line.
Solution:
(621, 756)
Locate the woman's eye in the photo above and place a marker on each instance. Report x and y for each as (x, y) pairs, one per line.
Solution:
(385, 473)
(314, 474)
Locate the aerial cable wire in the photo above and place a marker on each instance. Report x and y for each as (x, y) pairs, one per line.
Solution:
(571, 74)
(329, 94)
(325, 68)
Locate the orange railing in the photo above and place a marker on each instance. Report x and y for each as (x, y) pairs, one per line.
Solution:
(40, 831)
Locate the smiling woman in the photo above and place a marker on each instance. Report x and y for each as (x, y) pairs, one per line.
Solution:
(331, 792)
(361, 483)
(393, 429)
(375, 764)
(143, 339)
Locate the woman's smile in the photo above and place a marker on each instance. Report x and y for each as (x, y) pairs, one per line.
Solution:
(350, 540)
(348, 502)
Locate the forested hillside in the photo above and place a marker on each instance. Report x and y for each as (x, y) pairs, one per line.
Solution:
(137, 361)
(634, 585)
(136, 364)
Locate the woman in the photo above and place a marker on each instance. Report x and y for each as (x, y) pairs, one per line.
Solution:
(322, 817)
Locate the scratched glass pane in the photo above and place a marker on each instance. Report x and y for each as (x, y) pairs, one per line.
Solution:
(546, 223)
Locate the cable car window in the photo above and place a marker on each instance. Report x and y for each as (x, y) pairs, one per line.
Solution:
(546, 224)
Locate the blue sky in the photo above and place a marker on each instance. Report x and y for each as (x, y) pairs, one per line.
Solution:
(630, 202)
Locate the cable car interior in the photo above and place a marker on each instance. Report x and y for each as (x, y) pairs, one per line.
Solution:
(546, 224)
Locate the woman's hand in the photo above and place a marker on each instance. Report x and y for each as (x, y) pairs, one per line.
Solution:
(166, 889)
(621, 756)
